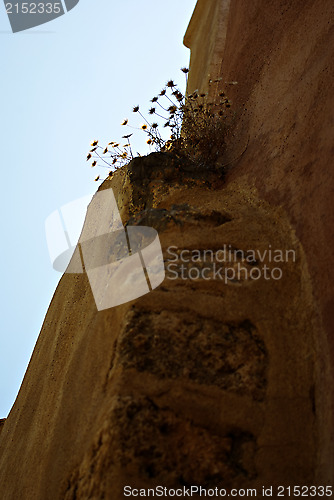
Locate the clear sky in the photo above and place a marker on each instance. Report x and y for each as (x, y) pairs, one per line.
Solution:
(64, 84)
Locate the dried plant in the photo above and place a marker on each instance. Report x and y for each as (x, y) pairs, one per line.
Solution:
(192, 126)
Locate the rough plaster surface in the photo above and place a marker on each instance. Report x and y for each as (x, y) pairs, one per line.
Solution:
(197, 382)
(281, 54)
(201, 382)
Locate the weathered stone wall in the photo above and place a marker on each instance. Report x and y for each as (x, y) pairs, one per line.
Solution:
(198, 382)
(281, 54)
(206, 36)
(202, 382)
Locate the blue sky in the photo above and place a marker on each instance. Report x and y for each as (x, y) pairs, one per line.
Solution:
(64, 84)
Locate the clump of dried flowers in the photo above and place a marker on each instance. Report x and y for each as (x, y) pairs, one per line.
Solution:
(193, 126)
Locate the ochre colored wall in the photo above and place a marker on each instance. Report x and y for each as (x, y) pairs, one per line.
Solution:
(201, 382)
(281, 53)
(206, 35)
(197, 383)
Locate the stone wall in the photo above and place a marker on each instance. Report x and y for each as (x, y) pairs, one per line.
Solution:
(203, 382)
(199, 382)
(281, 54)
